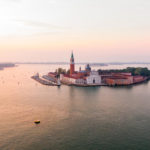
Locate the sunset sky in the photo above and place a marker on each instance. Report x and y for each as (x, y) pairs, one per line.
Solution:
(96, 30)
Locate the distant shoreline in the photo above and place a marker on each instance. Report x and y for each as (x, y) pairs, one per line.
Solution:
(83, 63)
(6, 65)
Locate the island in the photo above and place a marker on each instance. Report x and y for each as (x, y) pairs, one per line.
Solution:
(88, 77)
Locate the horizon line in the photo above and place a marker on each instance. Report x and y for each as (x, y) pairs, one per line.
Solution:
(63, 62)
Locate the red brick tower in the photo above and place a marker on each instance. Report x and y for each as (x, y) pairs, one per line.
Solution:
(72, 67)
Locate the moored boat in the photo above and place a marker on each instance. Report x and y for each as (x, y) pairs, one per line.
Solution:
(37, 121)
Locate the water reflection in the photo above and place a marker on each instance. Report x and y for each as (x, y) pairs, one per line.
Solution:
(86, 91)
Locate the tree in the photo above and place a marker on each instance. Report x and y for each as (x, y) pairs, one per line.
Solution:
(134, 71)
(60, 71)
(68, 71)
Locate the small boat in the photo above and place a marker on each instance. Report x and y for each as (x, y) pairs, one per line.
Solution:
(37, 121)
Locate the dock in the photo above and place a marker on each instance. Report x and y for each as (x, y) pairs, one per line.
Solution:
(44, 81)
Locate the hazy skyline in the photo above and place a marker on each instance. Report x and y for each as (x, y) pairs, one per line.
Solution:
(96, 30)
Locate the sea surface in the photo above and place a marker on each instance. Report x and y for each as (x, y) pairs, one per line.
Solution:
(72, 118)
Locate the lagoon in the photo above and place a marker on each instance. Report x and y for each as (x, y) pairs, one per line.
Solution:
(72, 118)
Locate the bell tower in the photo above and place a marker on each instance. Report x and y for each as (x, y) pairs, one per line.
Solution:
(72, 66)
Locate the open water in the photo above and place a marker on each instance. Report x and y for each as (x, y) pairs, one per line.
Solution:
(72, 118)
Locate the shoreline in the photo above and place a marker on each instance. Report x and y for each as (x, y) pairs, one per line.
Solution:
(77, 85)
(45, 82)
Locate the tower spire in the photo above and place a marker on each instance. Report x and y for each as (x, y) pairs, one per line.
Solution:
(72, 56)
(72, 63)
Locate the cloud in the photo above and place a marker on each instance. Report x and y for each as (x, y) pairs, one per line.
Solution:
(38, 24)
(38, 28)
(16, 1)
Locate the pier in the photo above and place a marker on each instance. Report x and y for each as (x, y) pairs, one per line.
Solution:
(44, 81)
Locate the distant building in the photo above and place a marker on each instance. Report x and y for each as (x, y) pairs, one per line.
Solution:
(94, 78)
(89, 77)
(52, 76)
(87, 68)
(82, 78)
(70, 80)
(138, 79)
(72, 65)
(119, 79)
